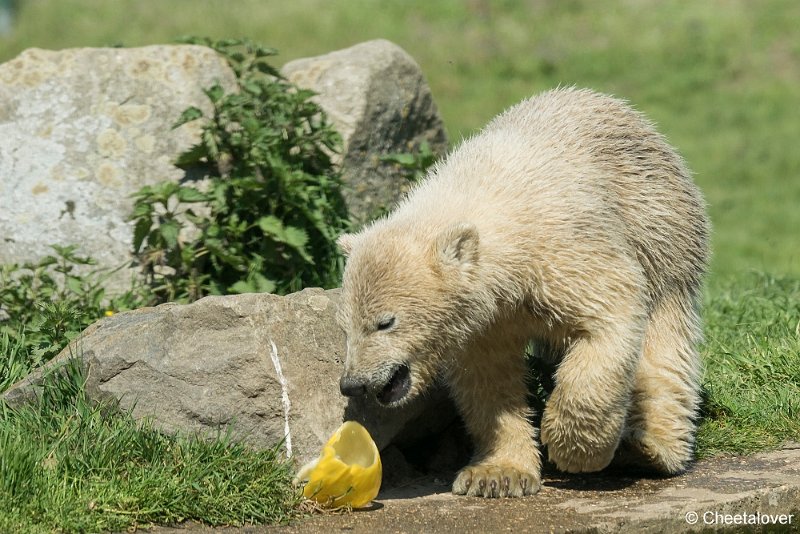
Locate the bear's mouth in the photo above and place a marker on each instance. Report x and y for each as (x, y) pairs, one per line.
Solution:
(397, 387)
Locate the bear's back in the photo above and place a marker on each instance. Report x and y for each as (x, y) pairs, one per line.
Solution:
(632, 168)
(573, 165)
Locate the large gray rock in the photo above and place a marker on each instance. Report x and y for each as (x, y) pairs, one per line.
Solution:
(378, 100)
(83, 129)
(264, 365)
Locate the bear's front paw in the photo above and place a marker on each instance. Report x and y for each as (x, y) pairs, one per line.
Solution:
(489, 480)
(572, 460)
(574, 449)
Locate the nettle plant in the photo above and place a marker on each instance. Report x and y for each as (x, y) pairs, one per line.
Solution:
(261, 206)
(414, 164)
(47, 303)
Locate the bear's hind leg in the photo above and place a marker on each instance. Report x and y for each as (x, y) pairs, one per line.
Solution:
(488, 385)
(661, 423)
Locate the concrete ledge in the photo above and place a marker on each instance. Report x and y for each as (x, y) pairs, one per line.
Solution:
(732, 494)
(724, 493)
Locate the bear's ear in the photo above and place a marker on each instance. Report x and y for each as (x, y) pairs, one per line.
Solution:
(457, 246)
(346, 243)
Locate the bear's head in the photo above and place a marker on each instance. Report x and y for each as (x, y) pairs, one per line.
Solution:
(405, 292)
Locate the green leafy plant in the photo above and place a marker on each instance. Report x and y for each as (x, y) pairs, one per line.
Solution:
(45, 304)
(415, 164)
(263, 209)
(54, 277)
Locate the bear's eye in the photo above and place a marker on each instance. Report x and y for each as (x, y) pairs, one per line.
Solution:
(385, 323)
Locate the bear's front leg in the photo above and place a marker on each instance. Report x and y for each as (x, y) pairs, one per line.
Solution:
(488, 385)
(584, 417)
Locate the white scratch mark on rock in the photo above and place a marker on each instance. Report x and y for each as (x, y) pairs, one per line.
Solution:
(284, 398)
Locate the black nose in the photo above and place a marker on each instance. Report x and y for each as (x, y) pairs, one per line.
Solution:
(352, 387)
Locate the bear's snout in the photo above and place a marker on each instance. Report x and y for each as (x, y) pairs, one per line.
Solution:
(351, 386)
(390, 386)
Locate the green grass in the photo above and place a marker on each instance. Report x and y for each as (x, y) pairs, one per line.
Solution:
(73, 466)
(752, 365)
(15, 360)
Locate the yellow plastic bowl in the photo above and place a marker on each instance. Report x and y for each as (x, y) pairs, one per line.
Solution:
(348, 472)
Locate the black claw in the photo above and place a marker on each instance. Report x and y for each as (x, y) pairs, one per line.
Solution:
(506, 482)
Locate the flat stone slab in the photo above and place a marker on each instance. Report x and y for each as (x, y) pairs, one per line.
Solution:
(732, 494)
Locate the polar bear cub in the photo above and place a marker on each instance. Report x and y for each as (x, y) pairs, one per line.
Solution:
(568, 222)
